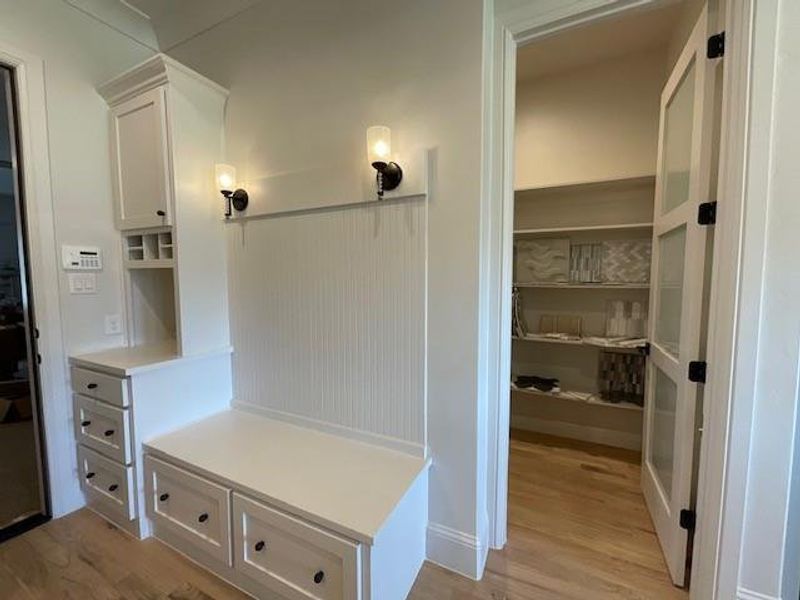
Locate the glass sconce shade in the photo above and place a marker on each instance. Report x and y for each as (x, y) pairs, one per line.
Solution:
(379, 145)
(226, 176)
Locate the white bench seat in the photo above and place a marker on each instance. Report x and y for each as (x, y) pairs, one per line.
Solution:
(372, 497)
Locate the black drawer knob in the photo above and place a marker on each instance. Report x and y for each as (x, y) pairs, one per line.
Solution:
(203, 518)
(91, 386)
(259, 546)
(90, 474)
(85, 423)
(108, 432)
(113, 487)
(319, 577)
(163, 497)
(160, 213)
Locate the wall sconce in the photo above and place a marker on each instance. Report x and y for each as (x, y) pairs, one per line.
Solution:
(226, 181)
(379, 151)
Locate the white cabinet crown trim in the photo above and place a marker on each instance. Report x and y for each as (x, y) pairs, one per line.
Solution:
(147, 76)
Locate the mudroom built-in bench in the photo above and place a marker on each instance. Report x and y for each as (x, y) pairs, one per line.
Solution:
(286, 511)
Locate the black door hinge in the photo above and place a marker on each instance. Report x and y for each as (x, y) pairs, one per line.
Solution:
(38, 358)
(688, 519)
(645, 349)
(716, 45)
(697, 371)
(707, 213)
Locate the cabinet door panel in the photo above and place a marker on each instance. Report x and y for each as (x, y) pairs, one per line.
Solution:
(140, 153)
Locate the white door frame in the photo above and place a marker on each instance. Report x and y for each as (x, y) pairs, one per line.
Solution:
(732, 335)
(59, 447)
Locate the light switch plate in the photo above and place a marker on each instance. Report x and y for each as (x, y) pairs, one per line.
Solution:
(113, 324)
(82, 283)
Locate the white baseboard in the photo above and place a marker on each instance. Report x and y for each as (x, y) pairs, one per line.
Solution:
(743, 594)
(597, 435)
(456, 550)
(354, 434)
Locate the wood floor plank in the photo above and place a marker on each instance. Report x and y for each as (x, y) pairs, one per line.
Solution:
(578, 528)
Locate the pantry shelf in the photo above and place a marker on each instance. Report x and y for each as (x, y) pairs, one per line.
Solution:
(584, 341)
(588, 228)
(584, 286)
(592, 400)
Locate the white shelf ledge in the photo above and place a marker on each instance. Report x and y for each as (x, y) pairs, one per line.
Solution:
(167, 263)
(584, 228)
(593, 400)
(576, 342)
(575, 186)
(586, 286)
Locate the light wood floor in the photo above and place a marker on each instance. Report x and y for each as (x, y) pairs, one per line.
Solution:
(578, 529)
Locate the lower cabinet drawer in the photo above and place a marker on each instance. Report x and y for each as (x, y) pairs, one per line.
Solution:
(195, 511)
(108, 388)
(291, 557)
(103, 428)
(108, 485)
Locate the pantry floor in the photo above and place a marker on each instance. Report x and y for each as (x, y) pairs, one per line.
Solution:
(578, 528)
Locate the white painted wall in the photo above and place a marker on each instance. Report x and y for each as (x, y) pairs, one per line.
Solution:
(306, 79)
(78, 53)
(770, 551)
(592, 123)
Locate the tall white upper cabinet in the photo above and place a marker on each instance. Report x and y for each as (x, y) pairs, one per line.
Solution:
(166, 124)
(140, 151)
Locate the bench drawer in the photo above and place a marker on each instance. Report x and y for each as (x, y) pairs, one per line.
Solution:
(107, 388)
(108, 485)
(194, 510)
(103, 428)
(292, 557)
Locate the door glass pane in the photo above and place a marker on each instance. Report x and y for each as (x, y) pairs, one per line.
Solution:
(662, 445)
(671, 249)
(677, 158)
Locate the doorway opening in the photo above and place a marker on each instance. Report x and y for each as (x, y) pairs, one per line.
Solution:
(23, 493)
(616, 132)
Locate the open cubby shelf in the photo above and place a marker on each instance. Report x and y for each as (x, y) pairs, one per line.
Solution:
(149, 250)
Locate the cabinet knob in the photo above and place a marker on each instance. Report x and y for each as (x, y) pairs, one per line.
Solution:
(90, 474)
(203, 518)
(163, 497)
(113, 487)
(91, 386)
(319, 577)
(259, 546)
(85, 423)
(108, 432)
(161, 213)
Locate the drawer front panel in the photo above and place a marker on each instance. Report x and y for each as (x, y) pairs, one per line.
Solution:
(99, 385)
(109, 486)
(194, 509)
(291, 557)
(103, 428)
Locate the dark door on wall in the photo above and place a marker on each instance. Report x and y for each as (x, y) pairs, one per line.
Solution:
(23, 496)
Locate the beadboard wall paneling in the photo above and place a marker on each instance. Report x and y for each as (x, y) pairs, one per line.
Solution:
(328, 318)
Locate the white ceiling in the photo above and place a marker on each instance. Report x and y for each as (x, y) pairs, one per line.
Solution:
(176, 21)
(611, 38)
(162, 24)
